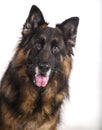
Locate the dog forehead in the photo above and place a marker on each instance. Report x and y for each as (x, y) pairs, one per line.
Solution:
(49, 33)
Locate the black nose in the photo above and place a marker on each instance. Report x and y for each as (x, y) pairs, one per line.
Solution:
(44, 67)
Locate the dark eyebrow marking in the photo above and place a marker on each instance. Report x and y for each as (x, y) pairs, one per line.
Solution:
(55, 42)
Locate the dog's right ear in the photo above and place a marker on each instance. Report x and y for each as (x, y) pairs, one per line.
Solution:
(34, 20)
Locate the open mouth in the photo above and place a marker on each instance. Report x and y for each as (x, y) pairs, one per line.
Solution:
(41, 80)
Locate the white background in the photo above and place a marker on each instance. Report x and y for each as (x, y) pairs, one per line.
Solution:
(83, 110)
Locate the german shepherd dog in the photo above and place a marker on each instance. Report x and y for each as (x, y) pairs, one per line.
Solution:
(36, 80)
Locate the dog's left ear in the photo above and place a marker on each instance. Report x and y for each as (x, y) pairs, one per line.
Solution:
(69, 30)
(34, 20)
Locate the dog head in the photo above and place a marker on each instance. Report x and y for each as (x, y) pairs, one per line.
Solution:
(47, 47)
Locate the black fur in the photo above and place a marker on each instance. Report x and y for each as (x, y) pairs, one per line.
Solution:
(44, 54)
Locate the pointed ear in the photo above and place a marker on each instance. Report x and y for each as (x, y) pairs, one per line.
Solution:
(69, 29)
(34, 20)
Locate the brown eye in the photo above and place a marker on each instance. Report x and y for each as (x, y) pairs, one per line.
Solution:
(55, 50)
(38, 46)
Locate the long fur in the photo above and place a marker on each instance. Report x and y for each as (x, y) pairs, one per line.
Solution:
(24, 105)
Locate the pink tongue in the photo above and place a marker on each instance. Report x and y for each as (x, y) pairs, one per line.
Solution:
(41, 81)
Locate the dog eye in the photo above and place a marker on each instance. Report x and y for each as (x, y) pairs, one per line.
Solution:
(38, 46)
(55, 50)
